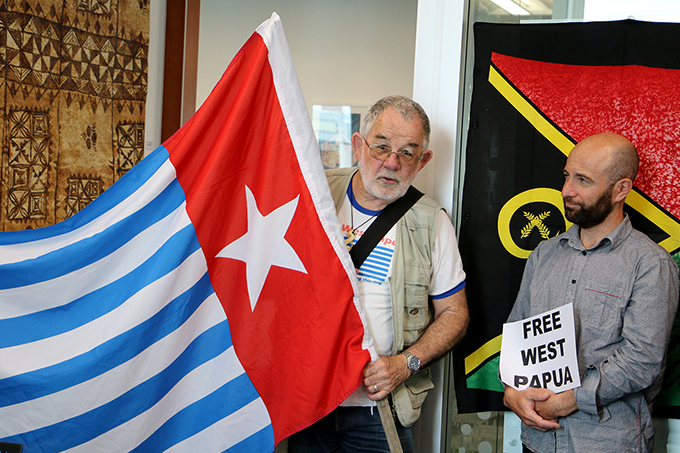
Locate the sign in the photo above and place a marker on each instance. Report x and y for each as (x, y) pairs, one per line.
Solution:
(541, 352)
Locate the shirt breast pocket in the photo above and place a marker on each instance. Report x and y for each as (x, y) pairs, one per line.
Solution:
(602, 306)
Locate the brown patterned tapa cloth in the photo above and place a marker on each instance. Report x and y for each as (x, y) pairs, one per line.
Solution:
(73, 78)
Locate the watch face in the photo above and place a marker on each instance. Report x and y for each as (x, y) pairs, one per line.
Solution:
(413, 363)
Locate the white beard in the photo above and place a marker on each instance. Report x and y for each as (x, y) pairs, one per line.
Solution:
(377, 189)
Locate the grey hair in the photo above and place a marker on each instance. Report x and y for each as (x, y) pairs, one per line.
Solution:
(406, 107)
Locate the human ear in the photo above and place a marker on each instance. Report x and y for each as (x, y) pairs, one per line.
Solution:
(622, 188)
(427, 155)
(357, 144)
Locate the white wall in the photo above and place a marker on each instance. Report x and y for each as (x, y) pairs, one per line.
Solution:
(436, 87)
(154, 97)
(349, 52)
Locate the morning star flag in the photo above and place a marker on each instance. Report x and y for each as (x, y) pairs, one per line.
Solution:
(538, 90)
(203, 303)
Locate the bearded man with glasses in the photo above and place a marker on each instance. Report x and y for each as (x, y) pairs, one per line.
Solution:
(412, 284)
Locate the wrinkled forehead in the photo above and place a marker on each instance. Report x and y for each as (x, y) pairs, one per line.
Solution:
(393, 126)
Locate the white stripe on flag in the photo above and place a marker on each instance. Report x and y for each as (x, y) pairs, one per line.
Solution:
(137, 309)
(227, 432)
(62, 290)
(295, 113)
(199, 383)
(106, 387)
(141, 197)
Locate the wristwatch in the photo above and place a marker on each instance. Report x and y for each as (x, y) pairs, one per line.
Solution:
(412, 362)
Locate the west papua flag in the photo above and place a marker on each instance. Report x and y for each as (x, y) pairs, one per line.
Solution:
(204, 302)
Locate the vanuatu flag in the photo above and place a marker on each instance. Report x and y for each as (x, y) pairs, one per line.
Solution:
(538, 90)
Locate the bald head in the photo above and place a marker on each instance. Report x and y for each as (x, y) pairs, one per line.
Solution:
(598, 176)
(616, 153)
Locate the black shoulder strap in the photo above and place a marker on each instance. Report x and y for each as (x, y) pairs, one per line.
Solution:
(382, 224)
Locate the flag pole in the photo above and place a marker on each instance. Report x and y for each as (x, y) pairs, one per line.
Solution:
(389, 427)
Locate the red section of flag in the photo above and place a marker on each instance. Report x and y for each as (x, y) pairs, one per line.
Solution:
(302, 343)
(637, 102)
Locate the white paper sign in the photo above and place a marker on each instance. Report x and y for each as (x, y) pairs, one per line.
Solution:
(541, 352)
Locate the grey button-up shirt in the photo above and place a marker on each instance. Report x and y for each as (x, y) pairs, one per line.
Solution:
(625, 294)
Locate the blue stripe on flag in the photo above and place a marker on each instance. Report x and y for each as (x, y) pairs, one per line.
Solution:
(225, 401)
(125, 186)
(262, 441)
(379, 269)
(44, 324)
(89, 250)
(372, 274)
(126, 345)
(78, 430)
(377, 265)
(107, 355)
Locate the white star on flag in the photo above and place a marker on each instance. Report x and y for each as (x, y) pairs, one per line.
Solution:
(264, 245)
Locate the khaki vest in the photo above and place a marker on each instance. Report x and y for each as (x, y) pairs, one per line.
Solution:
(412, 311)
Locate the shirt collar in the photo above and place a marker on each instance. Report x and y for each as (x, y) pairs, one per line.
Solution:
(615, 237)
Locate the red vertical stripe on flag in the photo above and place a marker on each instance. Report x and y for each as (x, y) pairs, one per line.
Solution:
(301, 345)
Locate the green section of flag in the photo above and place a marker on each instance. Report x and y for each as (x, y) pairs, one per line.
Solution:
(486, 378)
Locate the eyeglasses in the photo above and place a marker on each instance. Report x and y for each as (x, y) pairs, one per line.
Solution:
(406, 157)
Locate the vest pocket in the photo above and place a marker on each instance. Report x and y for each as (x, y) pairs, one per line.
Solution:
(416, 312)
(409, 397)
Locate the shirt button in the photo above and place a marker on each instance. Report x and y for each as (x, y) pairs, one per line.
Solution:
(573, 281)
(584, 253)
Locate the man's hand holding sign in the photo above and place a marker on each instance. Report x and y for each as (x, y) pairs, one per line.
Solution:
(539, 364)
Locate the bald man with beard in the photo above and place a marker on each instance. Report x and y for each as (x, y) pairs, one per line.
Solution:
(624, 288)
